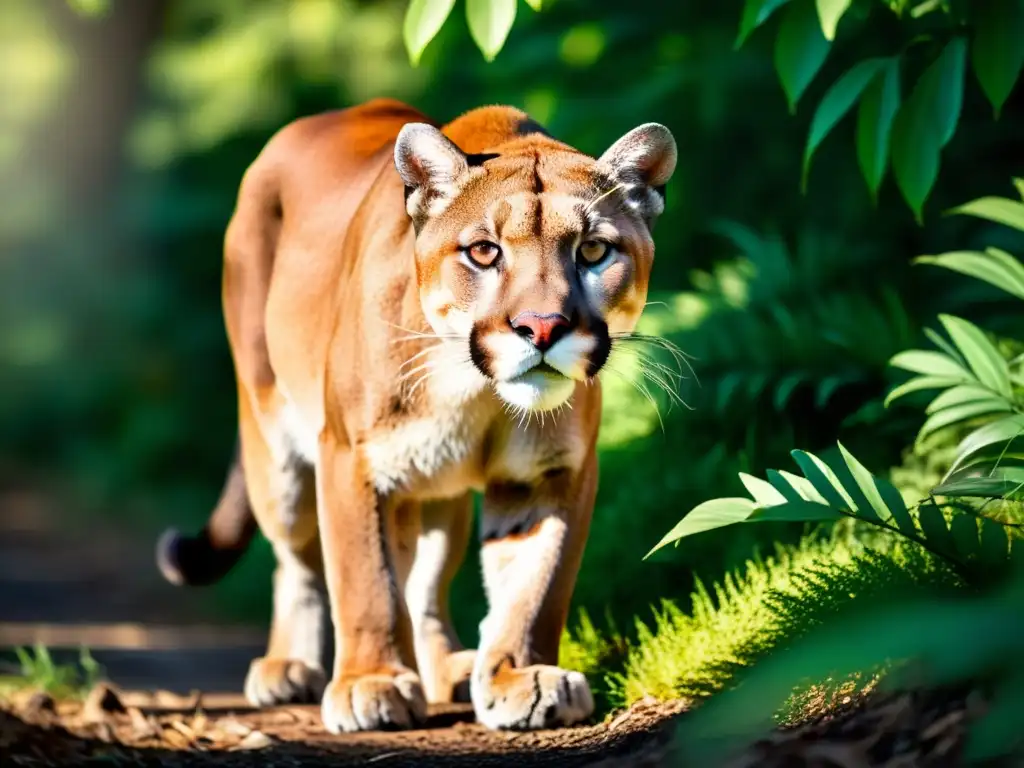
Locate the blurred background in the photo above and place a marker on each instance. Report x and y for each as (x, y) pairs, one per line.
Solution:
(125, 128)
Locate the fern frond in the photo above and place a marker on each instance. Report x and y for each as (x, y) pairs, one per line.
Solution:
(770, 602)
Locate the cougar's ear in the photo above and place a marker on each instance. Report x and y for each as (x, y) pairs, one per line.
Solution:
(642, 162)
(431, 167)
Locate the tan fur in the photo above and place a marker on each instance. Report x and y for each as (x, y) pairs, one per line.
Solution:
(368, 414)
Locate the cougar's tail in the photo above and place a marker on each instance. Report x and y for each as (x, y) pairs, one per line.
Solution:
(208, 556)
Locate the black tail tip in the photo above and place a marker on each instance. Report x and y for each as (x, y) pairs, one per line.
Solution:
(168, 557)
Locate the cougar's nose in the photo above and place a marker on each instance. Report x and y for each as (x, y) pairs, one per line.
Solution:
(542, 330)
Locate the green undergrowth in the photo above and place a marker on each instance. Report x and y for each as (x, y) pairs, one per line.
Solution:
(695, 651)
(36, 670)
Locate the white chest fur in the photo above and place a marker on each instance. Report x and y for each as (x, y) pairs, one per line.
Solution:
(435, 456)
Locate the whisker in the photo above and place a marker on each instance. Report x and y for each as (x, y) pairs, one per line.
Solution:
(419, 354)
(590, 206)
(639, 388)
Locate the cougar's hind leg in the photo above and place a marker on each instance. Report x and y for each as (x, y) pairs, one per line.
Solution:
(282, 491)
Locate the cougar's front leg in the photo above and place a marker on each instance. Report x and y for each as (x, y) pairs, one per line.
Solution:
(440, 546)
(370, 688)
(532, 548)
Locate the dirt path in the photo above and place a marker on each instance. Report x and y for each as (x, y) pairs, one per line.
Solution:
(222, 731)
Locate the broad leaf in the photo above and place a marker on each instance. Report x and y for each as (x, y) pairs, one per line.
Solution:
(964, 530)
(998, 209)
(981, 354)
(929, 363)
(824, 480)
(997, 52)
(490, 21)
(955, 415)
(423, 20)
(830, 12)
(897, 507)
(994, 266)
(933, 526)
(804, 487)
(763, 492)
(535, 4)
(800, 50)
(925, 124)
(919, 383)
(998, 432)
(783, 486)
(966, 393)
(874, 125)
(940, 341)
(836, 102)
(755, 13)
(866, 482)
(994, 542)
(707, 516)
(794, 512)
(997, 484)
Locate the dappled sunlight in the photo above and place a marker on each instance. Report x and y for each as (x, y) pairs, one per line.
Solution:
(233, 78)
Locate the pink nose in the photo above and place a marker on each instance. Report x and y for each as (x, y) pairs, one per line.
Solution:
(542, 330)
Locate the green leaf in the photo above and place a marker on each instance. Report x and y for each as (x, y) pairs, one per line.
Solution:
(925, 124)
(955, 415)
(707, 516)
(966, 393)
(997, 52)
(866, 482)
(994, 266)
(933, 525)
(929, 363)
(874, 125)
(836, 102)
(994, 542)
(803, 486)
(1001, 210)
(490, 21)
(1004, 430)
(800, 50)
(763, 492)
(824, 480)
(919, 383)
(1019, 184)
(423, 20)
(897, 507)
(830, 12)
(535, 4)
(981, 354)
(999, 483)
(783, 486)
(964, 530)
(940, 341)
(785, 390)
(755, 13)
(794, 512)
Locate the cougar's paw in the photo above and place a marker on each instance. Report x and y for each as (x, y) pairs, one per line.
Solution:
(283, 681)
(533, 697)
(377, 702)
(460, 671)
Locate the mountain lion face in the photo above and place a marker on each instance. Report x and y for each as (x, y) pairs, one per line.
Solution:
(536, 258)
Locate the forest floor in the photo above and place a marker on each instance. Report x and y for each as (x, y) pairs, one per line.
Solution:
(174, 700)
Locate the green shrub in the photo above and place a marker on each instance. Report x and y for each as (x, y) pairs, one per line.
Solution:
(766, 605)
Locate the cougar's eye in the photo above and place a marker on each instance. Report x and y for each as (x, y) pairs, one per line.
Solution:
(483, 254)
(592, 252)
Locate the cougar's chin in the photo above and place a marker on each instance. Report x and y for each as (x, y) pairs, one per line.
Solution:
(536, 390)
